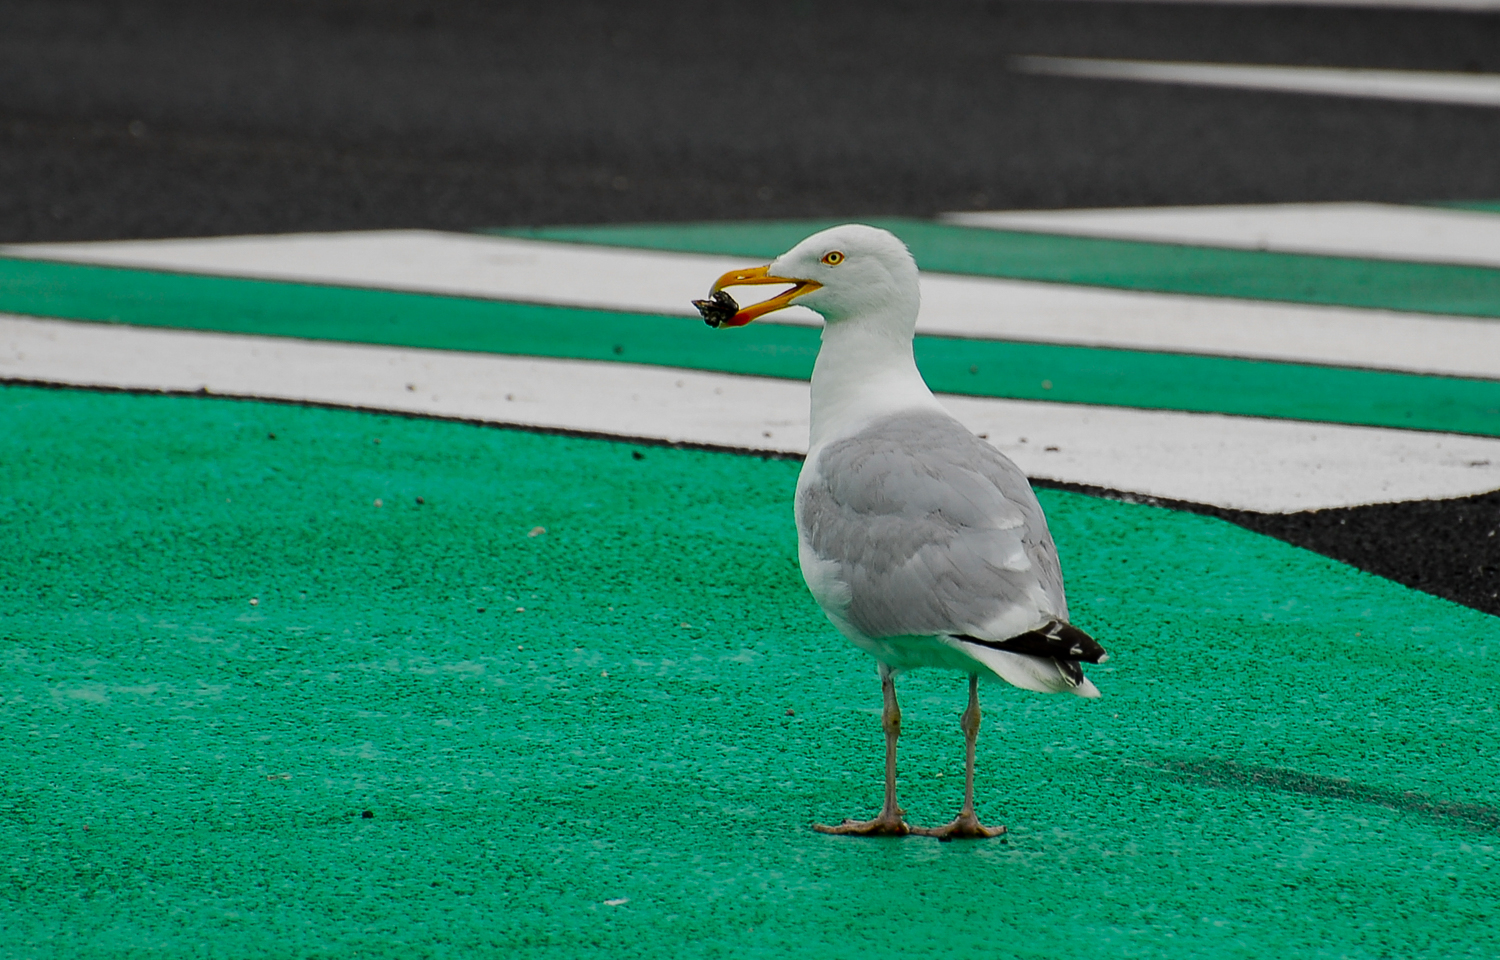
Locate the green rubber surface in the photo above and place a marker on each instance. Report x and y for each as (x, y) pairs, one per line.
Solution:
(987, 368)
(1091, 261)
(1483, 206)
(1292, 758)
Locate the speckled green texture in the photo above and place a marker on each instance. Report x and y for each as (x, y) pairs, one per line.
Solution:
(1292, 758)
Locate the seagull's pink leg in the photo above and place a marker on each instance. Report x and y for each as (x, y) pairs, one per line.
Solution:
(966, 825)
(889, 823)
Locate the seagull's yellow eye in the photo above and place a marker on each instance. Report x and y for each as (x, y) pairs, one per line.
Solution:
(833, 258)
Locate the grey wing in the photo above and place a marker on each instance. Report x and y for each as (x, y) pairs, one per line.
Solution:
(932, 530)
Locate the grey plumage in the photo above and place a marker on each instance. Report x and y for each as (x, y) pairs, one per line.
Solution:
(932, 530)
(922, 543)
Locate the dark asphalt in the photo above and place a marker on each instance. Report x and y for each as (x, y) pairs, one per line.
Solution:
(147, 119)
(182, 118)
(1450, 548)
(1444, 547)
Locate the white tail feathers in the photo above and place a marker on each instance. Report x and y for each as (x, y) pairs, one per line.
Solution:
(1042, 674)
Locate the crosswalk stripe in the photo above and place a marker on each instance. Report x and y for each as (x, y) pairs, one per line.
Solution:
(578, 275)
(1444, 288)
(989, 368)
(1233, 462)
(1380, 231)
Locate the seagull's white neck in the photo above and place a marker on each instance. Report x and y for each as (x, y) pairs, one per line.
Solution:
(865, 371)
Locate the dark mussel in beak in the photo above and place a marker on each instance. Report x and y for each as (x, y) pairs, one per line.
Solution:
(718, 309)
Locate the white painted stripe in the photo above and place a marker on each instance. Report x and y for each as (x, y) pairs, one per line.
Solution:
(1429, 86)
(427, 261)
(1237, 462)
(1212, 326)
(635, 280)
(1380, 231)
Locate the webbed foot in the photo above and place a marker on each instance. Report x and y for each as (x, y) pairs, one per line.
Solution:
(965, 826)
(881, 826)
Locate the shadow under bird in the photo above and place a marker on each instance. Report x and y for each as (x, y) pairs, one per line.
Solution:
(924, 545)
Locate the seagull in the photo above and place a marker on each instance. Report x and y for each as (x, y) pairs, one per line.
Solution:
(924, 545)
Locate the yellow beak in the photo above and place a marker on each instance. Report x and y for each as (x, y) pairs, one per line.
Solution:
(759, 275)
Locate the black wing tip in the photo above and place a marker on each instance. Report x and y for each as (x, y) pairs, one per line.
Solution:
(1071, 671)
(1057, 640)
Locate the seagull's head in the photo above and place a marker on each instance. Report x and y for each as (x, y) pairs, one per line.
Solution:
(844, 273)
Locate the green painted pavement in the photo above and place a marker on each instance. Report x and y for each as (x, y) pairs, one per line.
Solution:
(1164, 381)
(1291, 758)
(977, 367)
(1483, 206)
(1091, 261)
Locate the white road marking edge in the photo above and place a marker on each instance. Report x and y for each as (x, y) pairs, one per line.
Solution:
(1378, 231)
(1237, 462)
(609, 278)
(1423, 86)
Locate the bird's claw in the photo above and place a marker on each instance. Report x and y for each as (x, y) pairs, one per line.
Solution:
(965, 826)
(881, 826)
